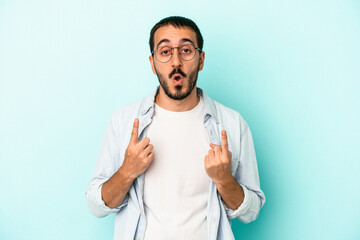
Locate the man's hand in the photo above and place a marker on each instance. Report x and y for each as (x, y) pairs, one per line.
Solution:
(218, 161)
(138, 155)
(218, 167)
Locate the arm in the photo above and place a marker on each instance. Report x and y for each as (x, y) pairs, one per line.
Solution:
(107, 191)
(231, 192)
(138, 157)
(240, 202)
(248, 176)
(114, 190)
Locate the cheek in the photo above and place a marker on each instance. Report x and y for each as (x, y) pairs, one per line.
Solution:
(194, 68)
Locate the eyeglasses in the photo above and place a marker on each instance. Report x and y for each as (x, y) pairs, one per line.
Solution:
(164, 53)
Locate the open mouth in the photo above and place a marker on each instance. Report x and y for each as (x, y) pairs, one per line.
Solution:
(177, 78)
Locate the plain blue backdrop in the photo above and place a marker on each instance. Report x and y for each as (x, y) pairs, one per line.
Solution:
(291, 68)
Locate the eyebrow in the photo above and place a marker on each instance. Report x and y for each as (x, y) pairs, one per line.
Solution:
(182, 41)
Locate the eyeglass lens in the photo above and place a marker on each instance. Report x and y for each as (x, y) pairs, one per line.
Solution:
(164, 53)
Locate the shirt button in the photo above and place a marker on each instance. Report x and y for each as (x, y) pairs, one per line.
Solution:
(141, 124)
(137, 237)
(141, 210)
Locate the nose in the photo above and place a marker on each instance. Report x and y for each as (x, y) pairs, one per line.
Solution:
(176, 59)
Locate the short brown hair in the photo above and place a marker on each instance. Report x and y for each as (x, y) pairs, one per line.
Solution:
(177, 22)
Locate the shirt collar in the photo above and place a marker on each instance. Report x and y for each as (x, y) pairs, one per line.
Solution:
(149, 102)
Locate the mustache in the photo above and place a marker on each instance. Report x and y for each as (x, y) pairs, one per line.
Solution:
(177, 70)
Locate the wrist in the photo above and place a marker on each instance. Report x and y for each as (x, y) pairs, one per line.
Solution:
(225, 181)
(125, 175)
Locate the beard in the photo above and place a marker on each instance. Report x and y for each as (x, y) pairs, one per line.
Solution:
(179, 94)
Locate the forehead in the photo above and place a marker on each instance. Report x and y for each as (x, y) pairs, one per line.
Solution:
(174, 35)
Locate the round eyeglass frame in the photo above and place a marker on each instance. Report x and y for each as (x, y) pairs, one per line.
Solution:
(172, 51)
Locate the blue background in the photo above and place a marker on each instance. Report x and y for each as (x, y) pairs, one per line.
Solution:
(291, 68)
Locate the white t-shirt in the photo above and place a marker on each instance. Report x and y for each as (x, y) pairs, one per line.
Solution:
(176, 184)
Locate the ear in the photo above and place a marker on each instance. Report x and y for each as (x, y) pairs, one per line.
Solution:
(202, 59)
(152, 64)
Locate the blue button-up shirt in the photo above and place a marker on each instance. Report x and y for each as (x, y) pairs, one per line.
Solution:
(130, 220)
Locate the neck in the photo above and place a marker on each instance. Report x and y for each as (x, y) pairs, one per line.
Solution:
(183, 105)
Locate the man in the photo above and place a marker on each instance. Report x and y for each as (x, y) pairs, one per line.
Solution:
(176, 164)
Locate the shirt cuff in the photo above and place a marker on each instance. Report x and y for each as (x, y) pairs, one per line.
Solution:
(102, 204)
(244, 206)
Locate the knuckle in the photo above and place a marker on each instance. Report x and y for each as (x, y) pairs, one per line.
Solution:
(145, 161)
(129, 151)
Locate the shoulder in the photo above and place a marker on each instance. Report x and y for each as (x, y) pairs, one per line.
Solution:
(135, 108)
(124, 116)
(129, 108)
(226, 117)
(230, 117)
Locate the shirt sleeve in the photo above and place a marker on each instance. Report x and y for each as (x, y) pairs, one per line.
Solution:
(248, 177)
(104, 169)
(243, 208)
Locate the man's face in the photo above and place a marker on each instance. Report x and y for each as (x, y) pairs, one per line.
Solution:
(177, 77)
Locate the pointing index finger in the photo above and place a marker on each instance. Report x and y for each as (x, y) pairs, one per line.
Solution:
(224, 141)
(134, 133)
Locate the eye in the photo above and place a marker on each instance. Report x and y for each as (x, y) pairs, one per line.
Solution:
(165, 51)
(186, 50)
